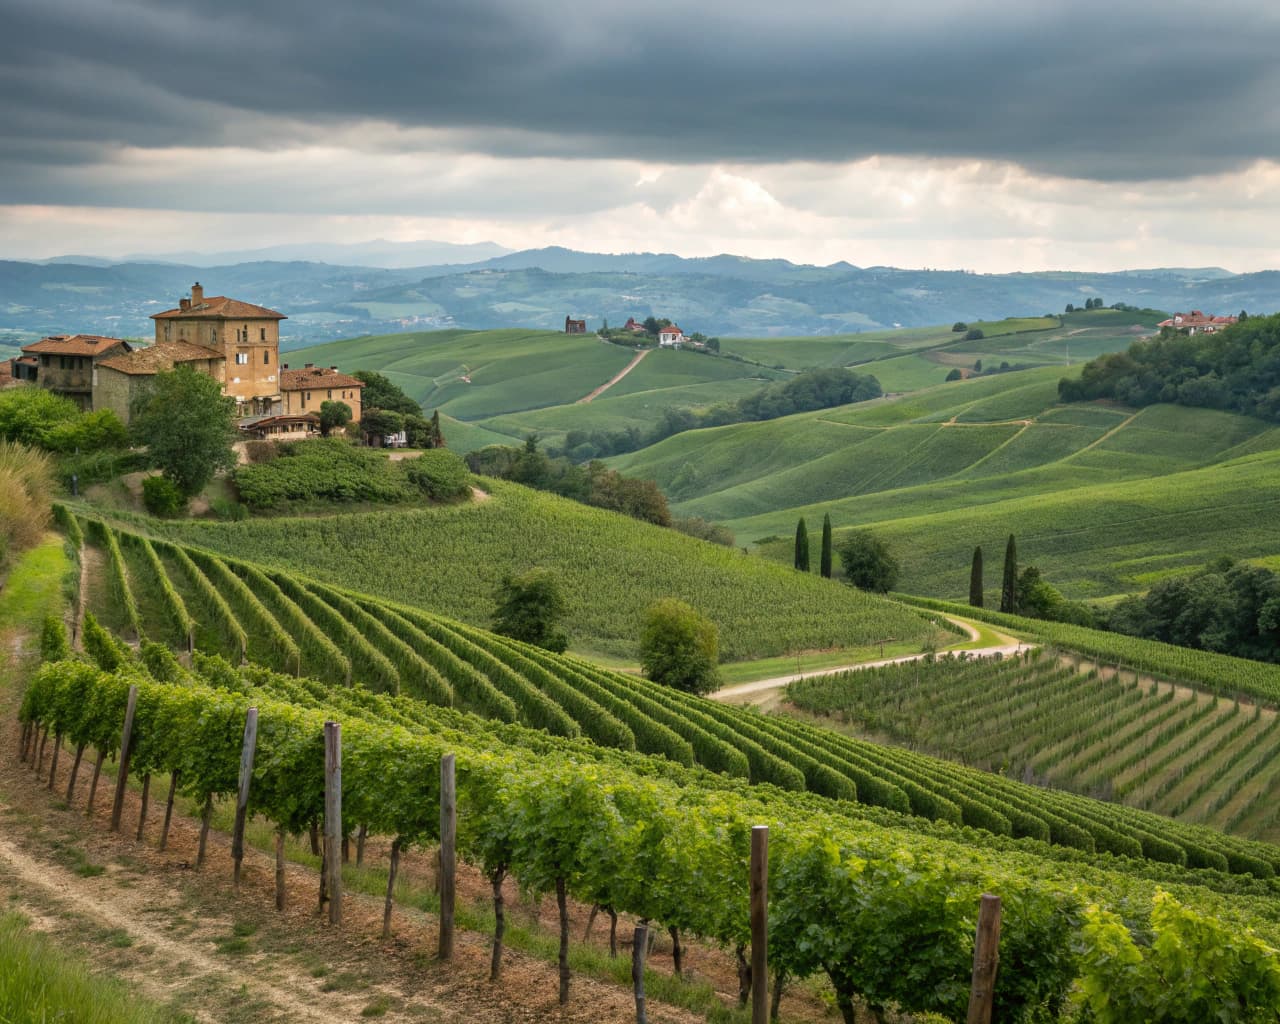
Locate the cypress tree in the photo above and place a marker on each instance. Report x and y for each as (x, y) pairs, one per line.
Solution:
(802, 546)
(1009, 586)
(975, 579)
(437, 436)
(824, 566)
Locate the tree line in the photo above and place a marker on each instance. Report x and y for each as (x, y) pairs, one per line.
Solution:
(1236, 370)
(806, 392)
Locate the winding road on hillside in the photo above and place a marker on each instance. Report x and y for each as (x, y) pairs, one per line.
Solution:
(610, 383)
(762, 689)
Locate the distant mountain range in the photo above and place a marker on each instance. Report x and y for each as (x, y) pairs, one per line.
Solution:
(347, 290)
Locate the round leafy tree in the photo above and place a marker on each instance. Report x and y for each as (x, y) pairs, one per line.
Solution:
(187, 425)
(868, 563)
(679, 647)
(530, 607)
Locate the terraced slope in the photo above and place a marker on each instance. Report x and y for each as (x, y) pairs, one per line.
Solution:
(1114, 735)
(303, 627)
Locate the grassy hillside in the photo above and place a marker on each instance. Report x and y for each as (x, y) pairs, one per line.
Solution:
(1104, 499)
(450, 559)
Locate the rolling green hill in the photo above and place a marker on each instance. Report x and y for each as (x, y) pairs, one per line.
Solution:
(1104, 499)
(514, 382)
(450, 559)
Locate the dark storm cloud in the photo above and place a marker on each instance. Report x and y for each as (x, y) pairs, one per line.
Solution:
(1106, 91)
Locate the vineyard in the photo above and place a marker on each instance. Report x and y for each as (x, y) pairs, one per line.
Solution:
(1222, 673)
(886, 912)
(304, 628)
(611, 567)
(1172, 750)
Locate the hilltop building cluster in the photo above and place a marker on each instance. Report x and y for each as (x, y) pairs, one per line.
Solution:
(1197, 322)
(234, 342)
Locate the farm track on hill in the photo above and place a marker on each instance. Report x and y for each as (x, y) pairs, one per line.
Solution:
(610, 383)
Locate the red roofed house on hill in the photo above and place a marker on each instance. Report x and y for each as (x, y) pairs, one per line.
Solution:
(1196, 322)
(245, 335)
(66, 363)
(119, 379)
(670, 337)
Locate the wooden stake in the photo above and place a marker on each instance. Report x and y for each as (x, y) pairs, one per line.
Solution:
(142, 812)
(93, 786)
(168, 810)
(53, 765)
(126, 741)
(333, 817)
(499, 922)
(759, 924)
(75, 770)
(562, 905)
(391, 887)
(986, 957)
(247, 749)
(639, 944)
(280, 887)
(448, 853)
(206, 819)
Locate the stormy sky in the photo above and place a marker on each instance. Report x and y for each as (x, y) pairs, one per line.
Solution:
(943, 133)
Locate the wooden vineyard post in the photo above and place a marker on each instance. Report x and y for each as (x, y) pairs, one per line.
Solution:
(247, 749)
(333, 818)
(759, 924)
(986, 957)
(280, 887)
(142, 811)
(206, 819)
(639, 947)
(448, 852)
(126, 741)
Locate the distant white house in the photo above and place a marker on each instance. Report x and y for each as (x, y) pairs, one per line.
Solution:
(670, 337)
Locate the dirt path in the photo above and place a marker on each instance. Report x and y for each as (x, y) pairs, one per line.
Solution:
(762, 690)
(90, 561)
(608, 384)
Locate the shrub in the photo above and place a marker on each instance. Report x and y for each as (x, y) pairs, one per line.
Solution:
(955, 374)
(530, 607)
(323, 469)
(439, 474)
(257, 452)
(54, 645)
(868, 563)
(679, 647)
(25, 485)
(161, 497)
(973, 334)
(227, 510)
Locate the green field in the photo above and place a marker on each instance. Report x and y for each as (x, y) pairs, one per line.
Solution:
(451, 558)
(1174, 750)
(301, 627)
(1103, 499)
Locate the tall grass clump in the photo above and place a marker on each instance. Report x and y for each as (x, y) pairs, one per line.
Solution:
(38, 982)
(26, 483)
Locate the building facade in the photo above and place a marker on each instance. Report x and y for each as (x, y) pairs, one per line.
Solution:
(247, 337)
(305, 390)
(120, 379)
(65, 363)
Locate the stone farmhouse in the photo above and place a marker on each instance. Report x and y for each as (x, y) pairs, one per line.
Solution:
(572, 326)
(67, 363)
(234, 342)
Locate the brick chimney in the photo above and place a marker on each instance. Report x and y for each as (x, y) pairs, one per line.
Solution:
(197, 294)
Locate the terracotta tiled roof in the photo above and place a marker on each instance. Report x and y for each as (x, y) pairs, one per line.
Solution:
(75, 345)
(163, 355)
(1197, 319)
(221, 308)
(316, 377)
